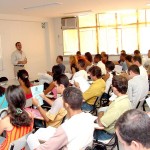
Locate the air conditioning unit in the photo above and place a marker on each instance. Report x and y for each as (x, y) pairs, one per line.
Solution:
(69, 23)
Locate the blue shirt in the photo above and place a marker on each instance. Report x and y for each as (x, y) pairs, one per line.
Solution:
(3, 102)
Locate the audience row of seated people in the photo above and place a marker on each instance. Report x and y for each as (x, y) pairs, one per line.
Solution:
(129, 89)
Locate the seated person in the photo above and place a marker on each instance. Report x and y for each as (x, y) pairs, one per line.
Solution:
(56, 71)
(110, 66)
(3, 101)
(128, 60)
(55, 115)
(59, 61)
(23, 78)
(73, 64)
(75, 133)
(18, 122)
(138, 86)
(96, 89)
(104, 58)
(89, 60)
(133, 130)
(121, 104)
(81, 66)
(137, 60)
(99, 63)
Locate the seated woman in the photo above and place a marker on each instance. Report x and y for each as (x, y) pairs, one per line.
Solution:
(3, 102)
(18, 122)
(89, 60)
(23, 78)
(56, 71)
(73, 64)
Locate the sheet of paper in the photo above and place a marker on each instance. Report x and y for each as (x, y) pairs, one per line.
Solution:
(36, 91)
(118, 68)
(43, 134)
(83, 84)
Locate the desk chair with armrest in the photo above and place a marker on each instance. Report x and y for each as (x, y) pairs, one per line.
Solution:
(101, 101)
(106, 144)
(20, 143)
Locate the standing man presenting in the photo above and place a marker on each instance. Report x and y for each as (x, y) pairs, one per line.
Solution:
(18, 58)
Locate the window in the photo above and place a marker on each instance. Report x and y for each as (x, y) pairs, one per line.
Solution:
(110, 32)
(88, 40)
(70, 41)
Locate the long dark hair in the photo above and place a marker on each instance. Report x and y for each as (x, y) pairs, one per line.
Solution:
(16, 103)
(24, 76)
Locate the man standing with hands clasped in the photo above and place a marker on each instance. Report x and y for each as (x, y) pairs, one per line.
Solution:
(18, 58)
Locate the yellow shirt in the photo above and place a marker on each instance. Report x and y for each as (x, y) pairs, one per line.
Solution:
(56, 113)
(96, 89)
(114, 111)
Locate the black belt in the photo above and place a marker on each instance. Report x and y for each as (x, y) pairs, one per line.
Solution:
(19, 65)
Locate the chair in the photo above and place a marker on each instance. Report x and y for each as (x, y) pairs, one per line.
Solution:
(142, 103)
(107, 144)
(19, 143)
(101, 101)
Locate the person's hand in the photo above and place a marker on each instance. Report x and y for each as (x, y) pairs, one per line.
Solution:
(25, 60)
(43, 95)
(50, 73)
(35, 102)
(76, 84)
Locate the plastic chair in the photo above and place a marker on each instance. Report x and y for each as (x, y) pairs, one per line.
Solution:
(19, 143)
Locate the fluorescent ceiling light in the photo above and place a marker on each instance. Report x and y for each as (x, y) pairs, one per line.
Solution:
(85, 12)
(43, 5)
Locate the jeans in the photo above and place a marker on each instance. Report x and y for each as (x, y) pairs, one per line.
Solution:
(86, 107)
(102, 135)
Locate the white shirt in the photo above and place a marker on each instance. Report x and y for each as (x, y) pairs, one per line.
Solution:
(108, 82)
(137, 89)
(74, 134)
(80, 73)
(143, 72)
(102, 66)
(17, 56)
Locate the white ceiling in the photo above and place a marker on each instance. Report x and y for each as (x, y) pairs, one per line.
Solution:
(67, 6)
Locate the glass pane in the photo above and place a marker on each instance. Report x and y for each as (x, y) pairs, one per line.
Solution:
(144, 39)
(107, 40)
(70, 41)
(129, 39)
(141, 14)
(87, 21)
(88, 41)
(148, 15)
(127, 17)
(107, 19)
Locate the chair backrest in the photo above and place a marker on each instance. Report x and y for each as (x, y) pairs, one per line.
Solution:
(96, 105)
(28, 103)
(19, 143)
(108, 144)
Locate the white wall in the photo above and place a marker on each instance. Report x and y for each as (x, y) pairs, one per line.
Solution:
(36, 42)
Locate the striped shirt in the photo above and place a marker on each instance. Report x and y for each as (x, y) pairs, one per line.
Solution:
(14, 134)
